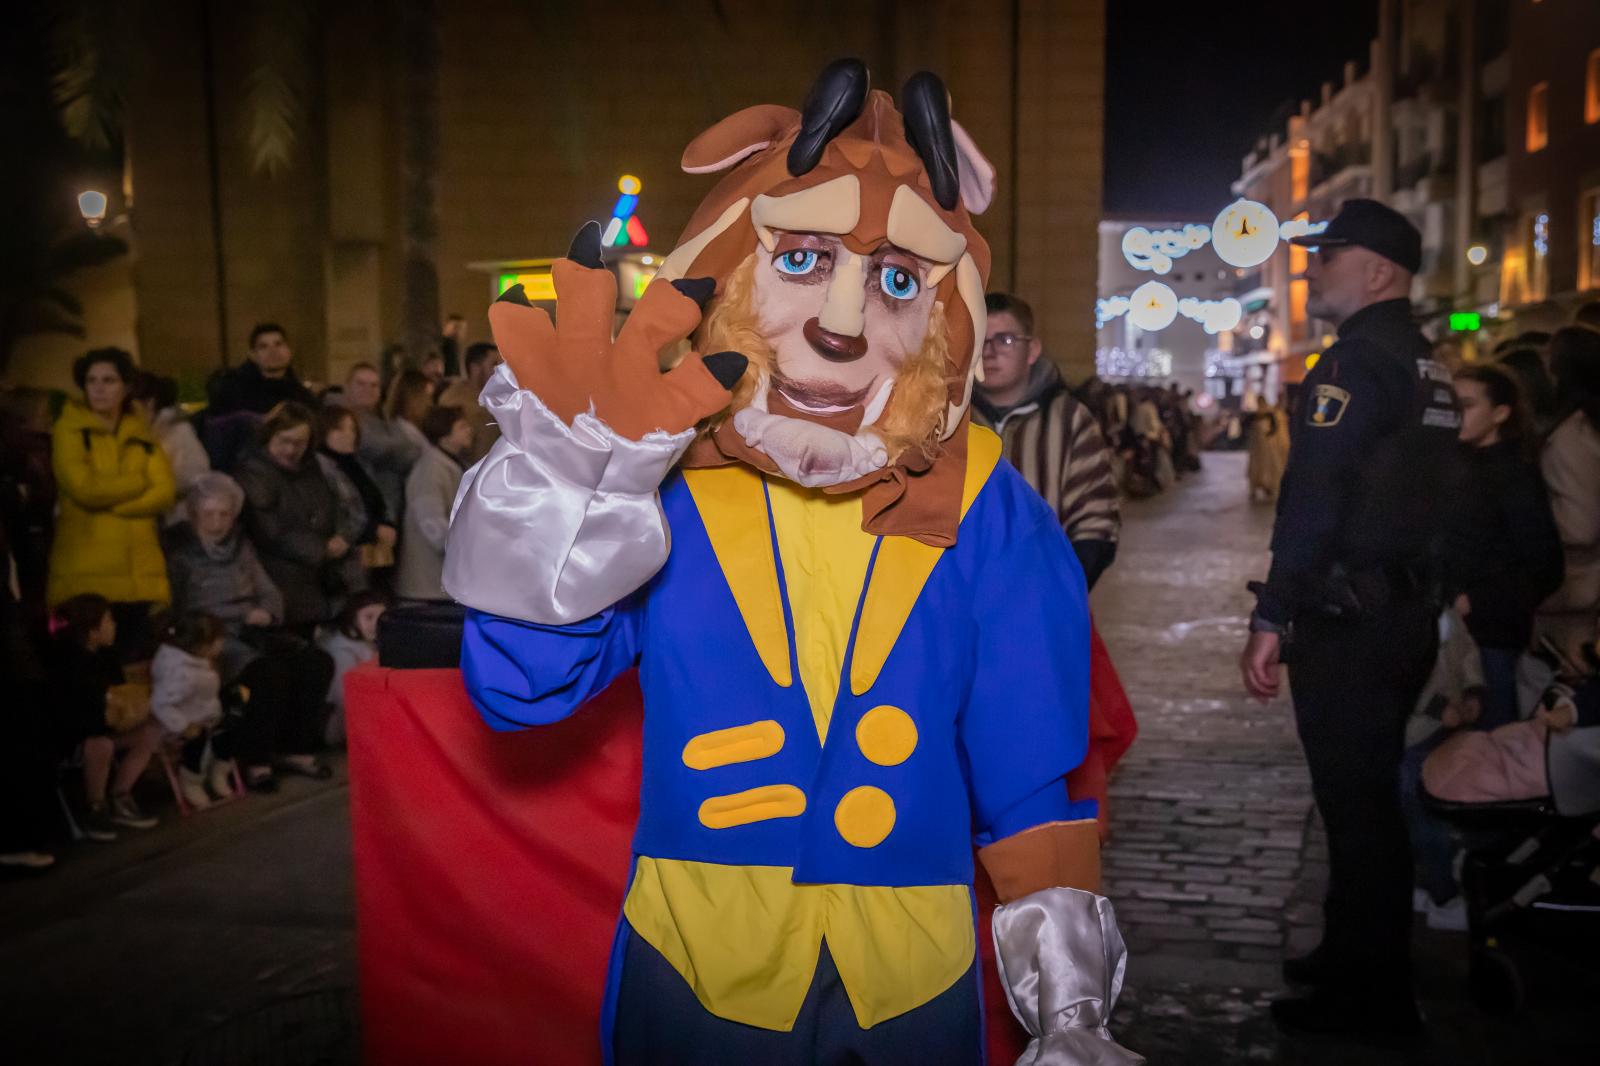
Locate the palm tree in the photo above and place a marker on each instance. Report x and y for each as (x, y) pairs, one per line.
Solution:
(93, 50)
(42, 239)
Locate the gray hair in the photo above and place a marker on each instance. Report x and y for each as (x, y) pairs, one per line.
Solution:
(215, 485)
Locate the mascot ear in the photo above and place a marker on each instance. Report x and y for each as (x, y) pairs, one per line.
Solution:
(741, 134)
(977, 173)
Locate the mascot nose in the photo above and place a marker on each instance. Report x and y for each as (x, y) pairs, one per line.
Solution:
(834, 346)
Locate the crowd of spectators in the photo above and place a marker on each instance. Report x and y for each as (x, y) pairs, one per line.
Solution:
(190, 586)
(1520, 569)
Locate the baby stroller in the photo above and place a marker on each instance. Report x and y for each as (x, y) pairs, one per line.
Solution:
(1527, 799)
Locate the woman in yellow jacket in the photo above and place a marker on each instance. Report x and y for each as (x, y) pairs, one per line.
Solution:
(114, 483)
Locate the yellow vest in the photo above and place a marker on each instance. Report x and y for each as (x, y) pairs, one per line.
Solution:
(746, 938)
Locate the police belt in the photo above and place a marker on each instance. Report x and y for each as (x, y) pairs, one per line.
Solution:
(1352, 594)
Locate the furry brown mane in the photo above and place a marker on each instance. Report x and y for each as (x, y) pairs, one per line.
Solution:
(915, 413)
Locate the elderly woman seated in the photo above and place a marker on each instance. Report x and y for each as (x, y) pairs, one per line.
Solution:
(214, 568)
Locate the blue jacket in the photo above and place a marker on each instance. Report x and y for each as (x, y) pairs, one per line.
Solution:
(985, 645)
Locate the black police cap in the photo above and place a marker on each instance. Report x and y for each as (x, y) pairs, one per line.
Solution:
(1373, 226)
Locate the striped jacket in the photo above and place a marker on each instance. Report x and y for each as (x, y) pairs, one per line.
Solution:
(1057, 446)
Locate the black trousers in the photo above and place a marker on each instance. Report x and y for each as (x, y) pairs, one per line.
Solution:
(1354, 684)
(288, 696)
(659, 1022)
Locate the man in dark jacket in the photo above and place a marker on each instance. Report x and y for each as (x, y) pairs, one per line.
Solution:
(261, 382)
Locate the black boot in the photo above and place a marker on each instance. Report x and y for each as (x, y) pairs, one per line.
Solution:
(1386, 1019)
(1309, 969)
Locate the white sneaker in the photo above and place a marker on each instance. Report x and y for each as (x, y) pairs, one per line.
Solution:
(28, 860)
(193, 787)
(1450, 917)
(220, 780)
(1420, 900)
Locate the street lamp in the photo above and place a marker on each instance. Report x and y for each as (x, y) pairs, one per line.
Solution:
(92, 205)
(1477, 254)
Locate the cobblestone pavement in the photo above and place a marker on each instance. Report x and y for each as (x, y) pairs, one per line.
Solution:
(1217, 865)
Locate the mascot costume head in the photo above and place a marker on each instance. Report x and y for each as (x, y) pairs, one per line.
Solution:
(849, 272)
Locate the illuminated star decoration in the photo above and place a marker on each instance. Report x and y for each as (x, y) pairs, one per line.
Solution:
(625, 228)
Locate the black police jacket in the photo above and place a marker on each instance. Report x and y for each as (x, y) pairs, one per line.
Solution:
(1372, 458)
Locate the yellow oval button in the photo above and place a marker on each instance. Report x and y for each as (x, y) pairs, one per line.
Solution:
(752, 805)
(886, 735)
(865, 816)
(742, 743)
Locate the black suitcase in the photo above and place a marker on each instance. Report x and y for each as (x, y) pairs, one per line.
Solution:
(421, 636)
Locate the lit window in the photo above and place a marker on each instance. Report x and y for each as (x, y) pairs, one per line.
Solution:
(1538, 116)
(1537, 229)
(1591, 88)
(1300, 171)
(1589, 239)
(1297, 254)
(1297, 310)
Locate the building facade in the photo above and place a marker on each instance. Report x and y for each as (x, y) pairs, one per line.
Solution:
(1480, 121)
(437, 140)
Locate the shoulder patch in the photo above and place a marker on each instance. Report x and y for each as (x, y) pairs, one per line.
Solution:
(1328, 406)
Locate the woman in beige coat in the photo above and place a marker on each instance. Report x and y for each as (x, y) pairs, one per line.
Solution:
(1570, 463)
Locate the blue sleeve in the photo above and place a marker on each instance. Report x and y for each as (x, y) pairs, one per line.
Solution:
(1026, 722)
(521, 673)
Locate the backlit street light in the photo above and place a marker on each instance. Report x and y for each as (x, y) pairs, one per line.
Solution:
(92, 205)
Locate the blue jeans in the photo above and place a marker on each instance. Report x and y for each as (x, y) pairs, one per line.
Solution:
(1500, 681)
(1433, 844)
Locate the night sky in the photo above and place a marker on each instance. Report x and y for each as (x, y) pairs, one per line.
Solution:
(1190, 87)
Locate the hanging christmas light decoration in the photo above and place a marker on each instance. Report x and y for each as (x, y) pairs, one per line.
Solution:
(1245, 233)
(1155, 251)
(1153, 306)
(1215, 316)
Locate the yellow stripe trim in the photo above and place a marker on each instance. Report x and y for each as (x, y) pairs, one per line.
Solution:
(754, 805)
(733, 509)
(902, 569)
(742, 743)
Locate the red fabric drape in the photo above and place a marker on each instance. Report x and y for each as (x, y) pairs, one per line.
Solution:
(489, 871)
(490, 868)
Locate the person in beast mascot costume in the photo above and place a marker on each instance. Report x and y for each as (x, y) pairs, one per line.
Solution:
(826, 578)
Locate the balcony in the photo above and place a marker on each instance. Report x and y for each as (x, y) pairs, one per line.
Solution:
(1325, 166)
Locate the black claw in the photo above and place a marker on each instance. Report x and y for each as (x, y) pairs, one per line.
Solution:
(726, 367)
(514, 295)
(699, 290)
(585, 250)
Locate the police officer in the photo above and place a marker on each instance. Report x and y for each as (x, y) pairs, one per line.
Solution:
(1347, 604)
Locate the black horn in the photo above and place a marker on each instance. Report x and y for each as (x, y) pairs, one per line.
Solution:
(835, 101)
(926, 108)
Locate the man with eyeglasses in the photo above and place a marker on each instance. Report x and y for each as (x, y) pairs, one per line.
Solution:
(1348, 604)
(1051, 438)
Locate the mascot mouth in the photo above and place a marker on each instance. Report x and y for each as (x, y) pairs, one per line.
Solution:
(835, 347)
(818, 395)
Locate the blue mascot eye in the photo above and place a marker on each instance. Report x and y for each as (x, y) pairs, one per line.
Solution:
(899, 282)
(798, 261)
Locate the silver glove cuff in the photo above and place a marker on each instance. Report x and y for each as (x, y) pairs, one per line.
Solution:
(557, 523)
(1062, 962)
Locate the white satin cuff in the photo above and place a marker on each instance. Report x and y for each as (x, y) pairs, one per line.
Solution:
(1062, 962)
(557, 523)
